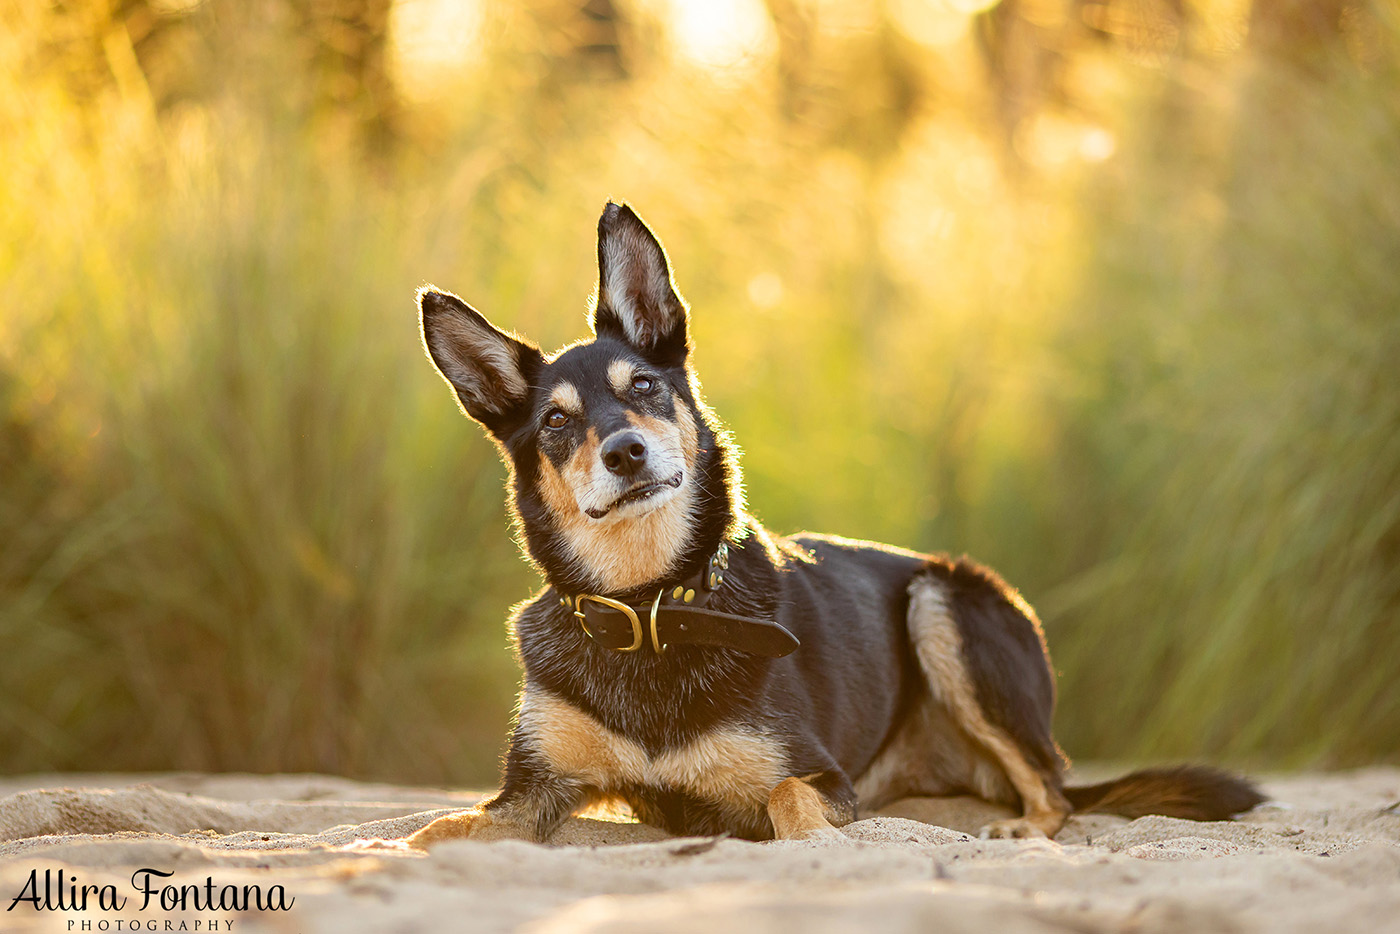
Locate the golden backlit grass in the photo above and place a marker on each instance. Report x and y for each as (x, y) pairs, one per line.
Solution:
(1149, 377)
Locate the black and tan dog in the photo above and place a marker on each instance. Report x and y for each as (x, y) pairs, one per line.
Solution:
(713, 676)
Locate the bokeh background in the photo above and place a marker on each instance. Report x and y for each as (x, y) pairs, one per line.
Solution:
(1103, 292)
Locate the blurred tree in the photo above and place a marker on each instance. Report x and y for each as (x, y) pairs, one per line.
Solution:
(599, 38)
(1029, 49)
(795, 26)
(337, 73)
(579, 41)
(163, 40)
(1021, 50)
(858, 90)
(348, 63)
(1298, 31)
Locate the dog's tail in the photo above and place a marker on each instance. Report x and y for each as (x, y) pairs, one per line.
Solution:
(1193, 792)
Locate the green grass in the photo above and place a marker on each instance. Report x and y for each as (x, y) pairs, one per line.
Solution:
(276, 551)
(1246, 424)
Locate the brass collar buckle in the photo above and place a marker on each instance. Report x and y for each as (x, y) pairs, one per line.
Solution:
(657, 645)
(621, 608)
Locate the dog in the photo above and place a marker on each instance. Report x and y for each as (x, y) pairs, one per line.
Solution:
(715, 677)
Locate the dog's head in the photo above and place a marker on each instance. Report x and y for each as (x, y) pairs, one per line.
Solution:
(619, 473)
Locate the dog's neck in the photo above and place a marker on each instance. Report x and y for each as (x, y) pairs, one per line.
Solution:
(693, 589)
(635, 554)
(635, 557)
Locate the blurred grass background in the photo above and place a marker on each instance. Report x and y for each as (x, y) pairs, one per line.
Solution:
(1104, 293)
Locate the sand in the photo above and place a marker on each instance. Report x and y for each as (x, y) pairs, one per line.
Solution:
(1322, 856)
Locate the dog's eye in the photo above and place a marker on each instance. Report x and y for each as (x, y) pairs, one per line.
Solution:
(643, 384)
(556, 419)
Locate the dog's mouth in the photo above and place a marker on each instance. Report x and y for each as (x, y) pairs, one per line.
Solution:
(638, 493)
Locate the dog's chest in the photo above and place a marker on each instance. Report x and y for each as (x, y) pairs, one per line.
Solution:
(725, 765)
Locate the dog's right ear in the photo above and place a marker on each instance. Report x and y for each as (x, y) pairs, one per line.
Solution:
(489, 370)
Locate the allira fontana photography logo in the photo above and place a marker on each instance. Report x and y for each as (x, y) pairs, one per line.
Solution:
(57, 890)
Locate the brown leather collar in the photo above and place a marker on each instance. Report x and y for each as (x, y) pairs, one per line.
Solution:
(677, 615)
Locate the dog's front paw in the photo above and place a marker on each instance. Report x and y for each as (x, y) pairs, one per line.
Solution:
(461, 826)
(475, 824)
(1016, 828)
(826, 836)
(377, 845)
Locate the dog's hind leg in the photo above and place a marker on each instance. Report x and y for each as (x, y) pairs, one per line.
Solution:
(812, 807)
(980, 647)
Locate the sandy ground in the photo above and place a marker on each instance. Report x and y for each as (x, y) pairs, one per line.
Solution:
(1322, 856)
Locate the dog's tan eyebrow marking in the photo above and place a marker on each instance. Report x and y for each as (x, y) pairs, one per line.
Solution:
(566, 396)
(620, 375)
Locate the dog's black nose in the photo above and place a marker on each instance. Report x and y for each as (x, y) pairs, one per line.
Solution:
(624, 453)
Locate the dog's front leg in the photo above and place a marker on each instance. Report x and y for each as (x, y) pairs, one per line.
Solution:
(532, 803)
(812, 807)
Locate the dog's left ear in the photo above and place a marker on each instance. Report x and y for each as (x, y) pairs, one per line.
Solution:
(637, 301)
